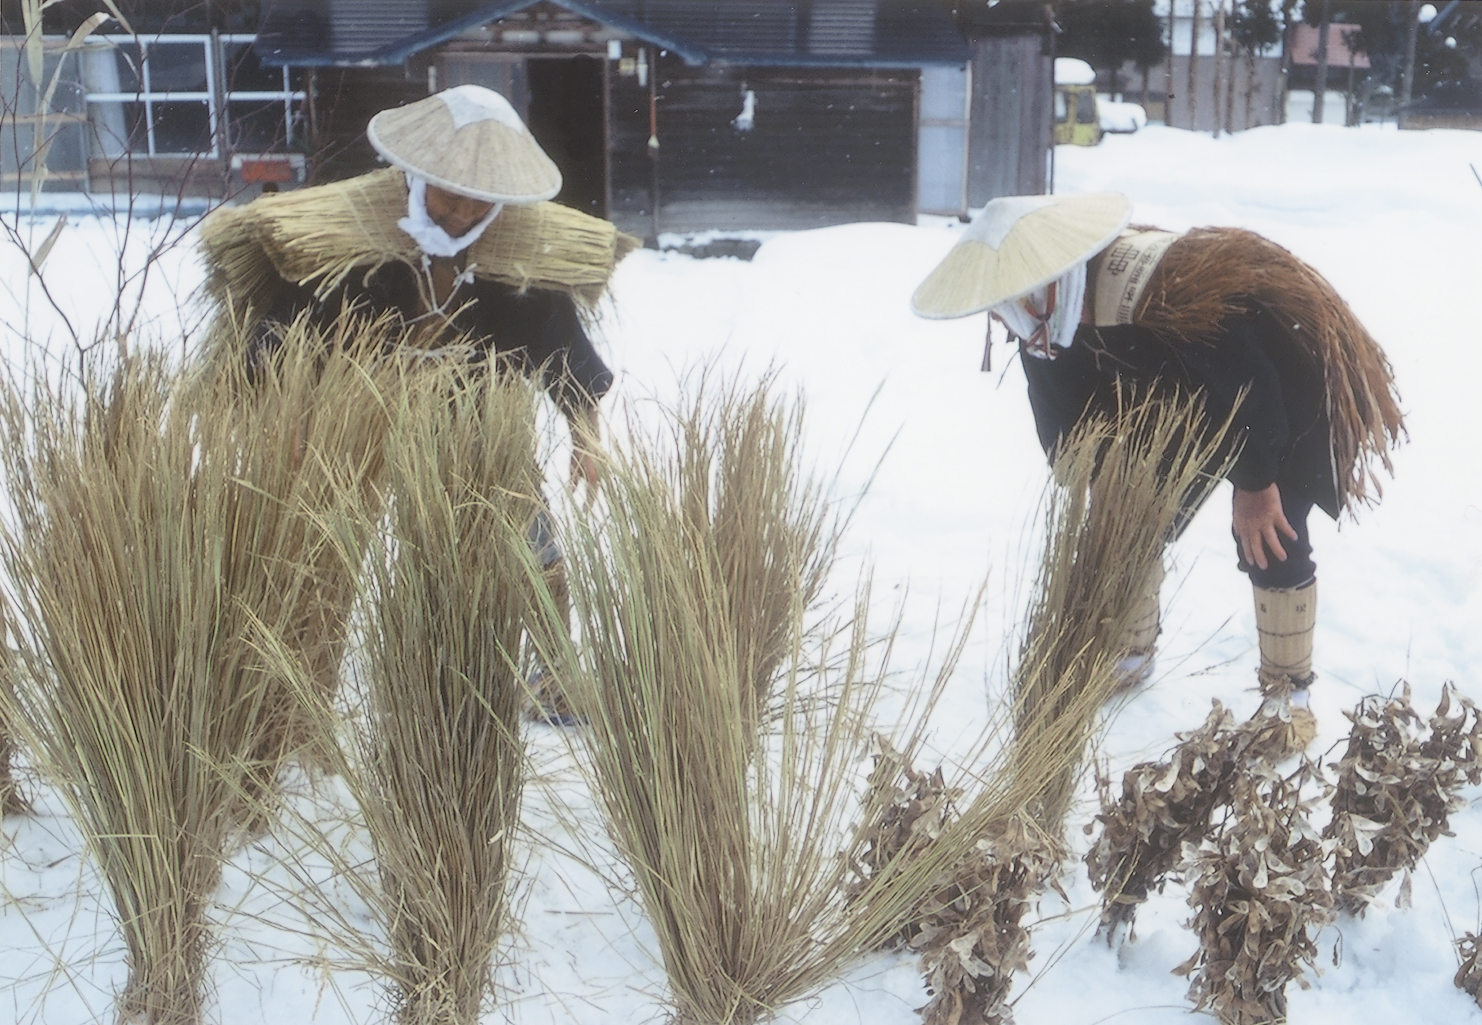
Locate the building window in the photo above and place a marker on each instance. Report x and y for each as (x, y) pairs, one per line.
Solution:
(187, 95)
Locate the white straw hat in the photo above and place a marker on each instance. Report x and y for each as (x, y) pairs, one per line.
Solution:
(1018, 244)
(467, 140)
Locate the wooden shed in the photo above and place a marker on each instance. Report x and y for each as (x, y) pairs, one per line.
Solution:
(664, 115)
(671, 115)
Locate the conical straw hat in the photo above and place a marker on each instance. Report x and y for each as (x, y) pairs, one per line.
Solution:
(467, 140)
(1018, 244)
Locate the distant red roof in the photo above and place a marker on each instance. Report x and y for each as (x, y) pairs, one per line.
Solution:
(1304, 46)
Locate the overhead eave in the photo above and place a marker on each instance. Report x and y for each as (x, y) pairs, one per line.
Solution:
(404, 49)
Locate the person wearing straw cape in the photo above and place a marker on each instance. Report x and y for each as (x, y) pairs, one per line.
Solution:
(1103, 311)
(457, 240)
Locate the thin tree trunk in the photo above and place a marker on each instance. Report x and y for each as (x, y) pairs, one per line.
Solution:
(1168, 69)
(1283, 92)
(1193, 69)
(1351, 101)
(1320, 88)
(1407, 74)
(1230, 91)
(1219, 61)
(1250, 87)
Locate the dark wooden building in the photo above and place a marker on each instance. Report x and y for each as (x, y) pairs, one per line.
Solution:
(664, 115)
(671, 115)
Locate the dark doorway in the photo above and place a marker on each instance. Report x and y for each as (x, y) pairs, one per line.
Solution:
(568, 119)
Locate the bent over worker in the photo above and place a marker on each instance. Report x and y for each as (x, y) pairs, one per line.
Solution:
(456, 241)
(1102, 311)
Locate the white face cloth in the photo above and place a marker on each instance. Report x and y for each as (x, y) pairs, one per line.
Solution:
(428, 234)
(1046, 319)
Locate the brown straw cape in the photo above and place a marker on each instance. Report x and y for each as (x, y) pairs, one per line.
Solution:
(1018, 244)
(467, 140)
(319, 236)
(1213, 273)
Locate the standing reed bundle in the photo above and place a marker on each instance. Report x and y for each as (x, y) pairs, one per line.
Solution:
(1124, 490)
(755, 839)
(12, 801)
(312, 416)
(739, 888)
(432, 749)
(145, 552)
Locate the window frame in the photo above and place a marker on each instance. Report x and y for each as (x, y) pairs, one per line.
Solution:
(216, 97)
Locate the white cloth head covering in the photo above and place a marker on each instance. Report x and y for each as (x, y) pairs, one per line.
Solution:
(430, 236)
(467, 140)
(1047, 318)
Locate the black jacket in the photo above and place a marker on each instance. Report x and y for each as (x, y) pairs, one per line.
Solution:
(1281, 427)
(540, 331)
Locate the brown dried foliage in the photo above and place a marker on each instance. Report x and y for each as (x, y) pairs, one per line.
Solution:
(1469, 975)
(1397, 788)
(1163, 806)
(1261, 893)
(969, 931)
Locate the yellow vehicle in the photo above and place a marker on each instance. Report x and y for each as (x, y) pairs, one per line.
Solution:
(1077, 121)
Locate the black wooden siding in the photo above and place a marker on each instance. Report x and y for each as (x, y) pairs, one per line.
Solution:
(827, 147)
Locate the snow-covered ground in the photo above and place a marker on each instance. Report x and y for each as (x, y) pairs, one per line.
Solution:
(1395, 222)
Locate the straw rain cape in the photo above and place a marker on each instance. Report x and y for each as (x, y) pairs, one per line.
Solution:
(319, 237)
(1209, 274)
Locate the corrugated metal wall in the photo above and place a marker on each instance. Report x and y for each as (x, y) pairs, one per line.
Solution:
(359, 26)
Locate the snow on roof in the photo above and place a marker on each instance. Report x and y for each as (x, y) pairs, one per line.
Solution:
(1073, 71)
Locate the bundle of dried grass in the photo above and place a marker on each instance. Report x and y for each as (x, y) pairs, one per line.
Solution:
(12, 800)
(1261, 893)
(771, 531)
(145, 552)
(1124, 487)
(432, 749)
(319, 236)
(1211, 273)
(1164, 808)
(1397, 788)
(728, 749)
(309, 423)
(738, 889)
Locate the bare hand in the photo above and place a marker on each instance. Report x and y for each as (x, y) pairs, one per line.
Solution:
(586, 443)
(1259, 524)
(584, 471)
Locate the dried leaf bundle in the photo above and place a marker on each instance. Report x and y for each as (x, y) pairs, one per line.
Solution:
(1469, 974)
(1163, 807)
(969, 929)
(1261, 892)
(1396, 789)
